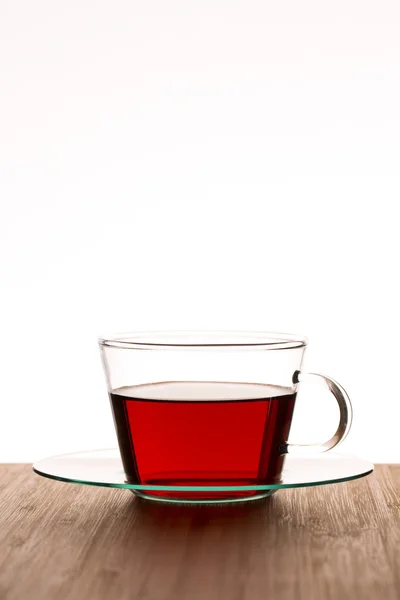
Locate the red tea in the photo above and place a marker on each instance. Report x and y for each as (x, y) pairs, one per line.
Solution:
(202, 434)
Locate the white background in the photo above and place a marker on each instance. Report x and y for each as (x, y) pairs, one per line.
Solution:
(189, 164)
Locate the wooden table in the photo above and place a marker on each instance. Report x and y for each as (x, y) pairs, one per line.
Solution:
(60, 541)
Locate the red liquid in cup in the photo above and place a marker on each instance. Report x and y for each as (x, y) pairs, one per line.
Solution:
(203, 434)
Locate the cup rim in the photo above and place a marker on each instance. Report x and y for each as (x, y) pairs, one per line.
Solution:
(203, 340)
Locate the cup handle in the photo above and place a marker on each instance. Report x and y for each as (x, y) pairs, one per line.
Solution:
(345, 418)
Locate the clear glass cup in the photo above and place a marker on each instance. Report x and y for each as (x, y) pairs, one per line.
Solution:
(208, 409)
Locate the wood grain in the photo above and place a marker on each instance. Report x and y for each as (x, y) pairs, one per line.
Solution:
(70, 542)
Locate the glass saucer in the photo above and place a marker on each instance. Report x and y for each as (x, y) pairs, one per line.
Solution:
(104, 468)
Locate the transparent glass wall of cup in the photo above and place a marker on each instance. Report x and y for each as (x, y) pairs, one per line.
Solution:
(208, 409)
